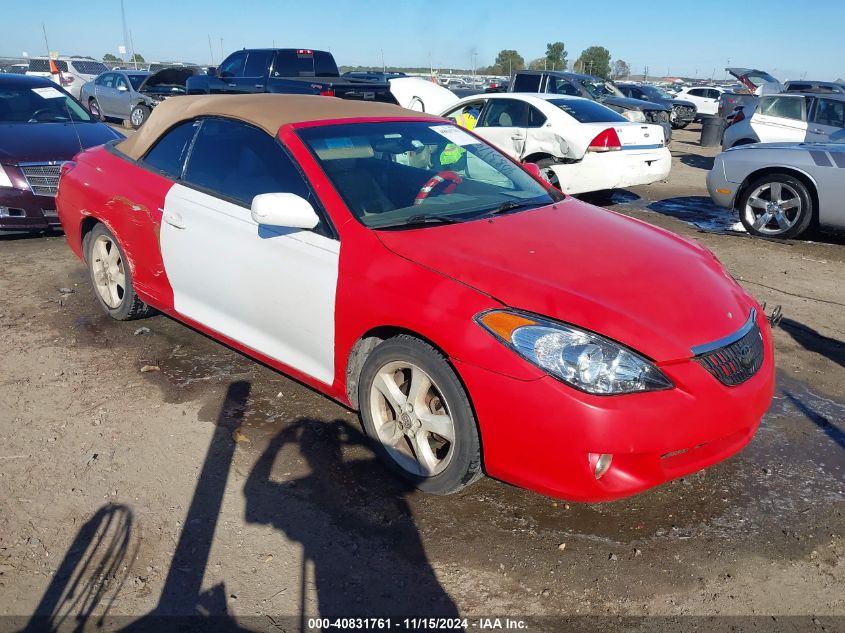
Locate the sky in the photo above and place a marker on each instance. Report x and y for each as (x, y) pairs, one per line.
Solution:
(785, 37)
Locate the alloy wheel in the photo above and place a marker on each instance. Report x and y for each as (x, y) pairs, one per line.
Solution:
(108, 271)
(412, 419)
(773, 208)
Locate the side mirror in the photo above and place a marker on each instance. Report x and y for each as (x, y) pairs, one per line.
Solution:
(284, 209)
(122, 88)
(532, 169)
(211, 71)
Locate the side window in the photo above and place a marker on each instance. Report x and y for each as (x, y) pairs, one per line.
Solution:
(535, 117)
(233, 65)
(830, 112)
(504, 113)
(560, 86)
(108, 81)
(168, 154)
(101, 80)
(783, 107)
(467, 115)
(696, 92)
(257, 63)
(238, 161)
(798, 87)
(526, 83)
(120, 81)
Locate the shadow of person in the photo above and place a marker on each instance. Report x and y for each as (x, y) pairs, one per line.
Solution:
(91, 573)
(362, 552)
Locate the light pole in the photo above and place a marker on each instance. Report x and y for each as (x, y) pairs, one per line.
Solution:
(125, 31)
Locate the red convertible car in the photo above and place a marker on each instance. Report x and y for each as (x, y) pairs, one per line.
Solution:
(478, 319)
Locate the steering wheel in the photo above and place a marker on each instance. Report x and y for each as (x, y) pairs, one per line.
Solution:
(38, 113)
(445, 181)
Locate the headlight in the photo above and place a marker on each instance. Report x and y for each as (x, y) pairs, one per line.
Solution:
(635, 116)
(579, 358)
(5, 181)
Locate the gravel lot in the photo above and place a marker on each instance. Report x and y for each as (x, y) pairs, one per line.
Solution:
(217, 486)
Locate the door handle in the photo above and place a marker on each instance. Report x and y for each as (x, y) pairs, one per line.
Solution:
(817, 131)
(259, 85)
(518, 137)
(232, 85)
(174, 219)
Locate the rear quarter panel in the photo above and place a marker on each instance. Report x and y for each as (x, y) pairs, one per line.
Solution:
(128, 200)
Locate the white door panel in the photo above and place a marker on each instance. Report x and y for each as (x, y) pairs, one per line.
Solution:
(770, 129)
(269, 288)
(510, 140)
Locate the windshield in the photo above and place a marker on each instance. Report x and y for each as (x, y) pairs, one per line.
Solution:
(656, 93)
(45, 104)
(136, 80)
(599, 89)
(758, 78)
(398, 174)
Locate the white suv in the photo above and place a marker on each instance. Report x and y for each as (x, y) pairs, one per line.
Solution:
(705, 98)
(73, 71)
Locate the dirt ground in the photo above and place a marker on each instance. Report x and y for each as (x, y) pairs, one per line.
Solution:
(217, 486)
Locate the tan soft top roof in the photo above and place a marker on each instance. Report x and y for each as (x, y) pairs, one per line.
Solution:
(267, 111)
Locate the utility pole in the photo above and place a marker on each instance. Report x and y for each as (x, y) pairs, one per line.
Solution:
(383, 67)
(210, 50)
(46, 43)
(132, 48)
(221, 51)
(125, 31)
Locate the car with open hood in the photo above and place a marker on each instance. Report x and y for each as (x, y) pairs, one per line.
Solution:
(41, 127)
(130, 95)
(478, 319)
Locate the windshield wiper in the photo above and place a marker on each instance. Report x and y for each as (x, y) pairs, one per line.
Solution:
(510, 205)
(420, 219)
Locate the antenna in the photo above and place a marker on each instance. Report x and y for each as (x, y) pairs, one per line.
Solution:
(73, 124)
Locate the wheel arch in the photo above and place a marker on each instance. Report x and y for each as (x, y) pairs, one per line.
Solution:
(799, 174)
(85, 229)
(535, 156)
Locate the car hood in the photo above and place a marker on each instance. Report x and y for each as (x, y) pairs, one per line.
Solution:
(632, 282)
(632, 104)
(168, 77)
(838, 148)
(681, 102)
(37, 142)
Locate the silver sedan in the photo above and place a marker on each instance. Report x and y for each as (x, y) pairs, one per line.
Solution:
(781, 189)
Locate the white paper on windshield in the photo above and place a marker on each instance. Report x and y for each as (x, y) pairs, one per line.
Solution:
(455, 134)
(48, 93)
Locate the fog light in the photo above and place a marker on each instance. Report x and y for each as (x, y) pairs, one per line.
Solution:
(10, 212)
(603, 464)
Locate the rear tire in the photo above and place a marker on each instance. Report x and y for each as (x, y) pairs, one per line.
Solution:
(416, 410)
(112, 277)
(139, 115)
(776, 205)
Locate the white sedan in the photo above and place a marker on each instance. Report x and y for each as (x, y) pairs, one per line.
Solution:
(579, 145)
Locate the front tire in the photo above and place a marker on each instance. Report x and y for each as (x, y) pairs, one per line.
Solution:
(139, 115)
(680, 125)
(776, 205)
(112, 277)
(94, 109)
(416, 409)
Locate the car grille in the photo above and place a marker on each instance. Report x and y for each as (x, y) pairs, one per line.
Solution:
(43, 178)
(738, 361)
(657, 116)
(684, 113)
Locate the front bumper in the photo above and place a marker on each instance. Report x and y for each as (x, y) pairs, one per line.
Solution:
(599, 171)
(26, 211)
(546, 436)
(722, 191)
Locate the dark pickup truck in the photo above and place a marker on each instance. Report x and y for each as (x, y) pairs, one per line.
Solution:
(288, 71)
